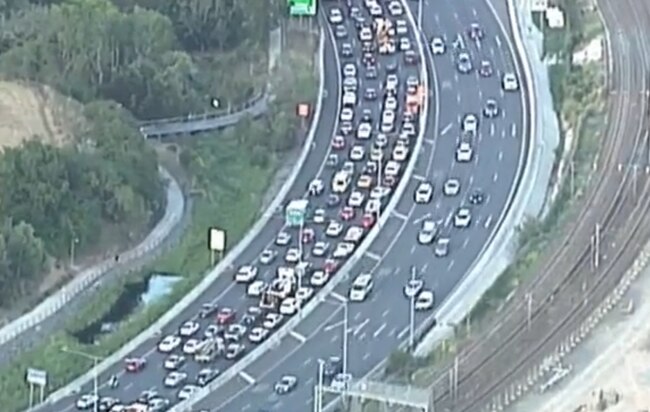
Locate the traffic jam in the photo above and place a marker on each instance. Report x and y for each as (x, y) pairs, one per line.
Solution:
(374, 136)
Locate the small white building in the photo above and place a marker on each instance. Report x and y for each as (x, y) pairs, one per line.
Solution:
(554, 17)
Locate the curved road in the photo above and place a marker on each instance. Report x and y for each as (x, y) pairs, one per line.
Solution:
(378, 325)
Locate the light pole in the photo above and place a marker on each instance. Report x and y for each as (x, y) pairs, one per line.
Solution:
(345, 337)
(95, 360)
(318, 389)
(73, 242)
(379, 183)
(420, 14)
(412, 313)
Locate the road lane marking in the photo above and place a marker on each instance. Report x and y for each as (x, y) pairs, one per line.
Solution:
(500, 156)
(366, 355)
(386, 312)
(338, 297)
(298, 336)
(429, 141)
(492, 129)
(307, 362)
(451, 265)
(495, 177)
(333, 326)
(488, 221)
(425, 267)
(248, 378)
(446, 129)
(360, 326)
(392, 332)
(399, 215)
(498, 41)
(413, 249)
(513, 130)
(403, 333)
(357, 315)
(419, 178)
(373, 256)
(379, 330)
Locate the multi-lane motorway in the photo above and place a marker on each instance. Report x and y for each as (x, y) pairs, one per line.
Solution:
(378, 324)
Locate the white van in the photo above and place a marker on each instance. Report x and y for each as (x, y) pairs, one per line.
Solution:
(341, 182)
(349, 99)
(361, 287)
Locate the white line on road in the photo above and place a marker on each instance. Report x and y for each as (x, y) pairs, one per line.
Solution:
(403, 333)
(495, 177)
(248, 378)
(500, 156)
(446, 129)
(392, 332)
(498, 41)
(361, 326)
(307, 362)
(373, 256)
(451, 265)
(429, 141)
(492, 129)
(379, 330)
(488, 221)
(298, 336)
(399, 215)
(413, 249)
(418, 177)
(513, 130)
(386, 312)
(338, 297)
(332, 326)
(366, 355)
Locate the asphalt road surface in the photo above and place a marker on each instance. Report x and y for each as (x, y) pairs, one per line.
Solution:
(378, 325)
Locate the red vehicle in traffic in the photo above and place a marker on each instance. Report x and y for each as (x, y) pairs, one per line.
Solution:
(368, 220)
(134, 364)
(225, 316)
(347, 213)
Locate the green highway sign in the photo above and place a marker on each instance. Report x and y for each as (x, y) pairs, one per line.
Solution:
(302, 7)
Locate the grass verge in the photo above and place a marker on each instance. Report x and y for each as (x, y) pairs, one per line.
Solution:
(231, 170)
(578, 101)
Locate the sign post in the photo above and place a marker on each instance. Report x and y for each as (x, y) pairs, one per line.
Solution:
(216, 243)
(36, 377)
(301, 8)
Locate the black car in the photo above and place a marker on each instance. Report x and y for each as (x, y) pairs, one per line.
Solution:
(370, 94)
(252, 315)
(366, 116)
(341, 32)
(207, 309)
(486, 69)
(368, 59)
(371, 73)
(333, 200)
(391, 67)
(333, 366)
(410, 57)
(477, 197)
(346, 50)
(491, 109)
(206, 376)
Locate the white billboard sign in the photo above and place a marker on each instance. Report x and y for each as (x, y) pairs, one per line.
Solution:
(36, 377)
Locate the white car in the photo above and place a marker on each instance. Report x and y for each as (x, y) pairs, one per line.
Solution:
(361, 287)
(375, 10)
(320, 248)
(379, 192)
(343, 250)
(353, 234)
(442, 247)
(400, 153)
(392, 168)
(319, 216)
(169, 343)
(464, 152)
(272, 320)
(187, 392)
(246, 274)
(424, 300)
(191, 346)
(395, 8)
(413, 287)
(390, 103)
(175, 378)
(357, 152)
(402, 27)
(349, 99)
(365, 34)
(392, 81)
(462, 218)
(268, 256)
(283, 239)
(289, 306)
(373, 206)
(356, 199)
(347, 114)
(341, 382)
(334, 229)
(364, 131)
(350, 70)
(510, 83)
(427, 232)
(173, 362)
(256, 288)
(424, 193)
(189, 328)
(336, 16)
(318, 278)
(258, 334)
(404, 44)
(451, 187)
(87, 401)
(438, 46)
(376, 154)
(304, 293)
(470, 123)
(292, 255)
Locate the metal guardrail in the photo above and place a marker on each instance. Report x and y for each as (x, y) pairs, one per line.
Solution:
(193, 123)
(81, 282)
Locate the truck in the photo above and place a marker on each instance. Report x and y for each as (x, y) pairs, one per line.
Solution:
(296, 212)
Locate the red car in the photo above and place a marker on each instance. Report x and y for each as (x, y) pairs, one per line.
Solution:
(308, 235)
(225, 316)
(134, 364)
(338, 142)
(331, 265)
(347, 213)
(368, 220)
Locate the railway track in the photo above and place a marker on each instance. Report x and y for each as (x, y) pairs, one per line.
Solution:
(570, 288)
